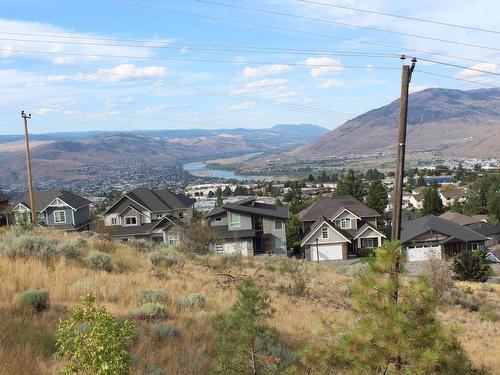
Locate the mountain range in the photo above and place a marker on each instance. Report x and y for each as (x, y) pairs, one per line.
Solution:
(62, 156)
(453, 122)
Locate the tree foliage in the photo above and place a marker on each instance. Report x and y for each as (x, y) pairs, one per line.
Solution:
(350, 185)
(388, 337)
(470, 266)
(377, 197)
(241, 336)
(93, 341)
(432, 204)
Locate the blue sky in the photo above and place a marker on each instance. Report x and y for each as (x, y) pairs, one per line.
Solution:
(106, 65)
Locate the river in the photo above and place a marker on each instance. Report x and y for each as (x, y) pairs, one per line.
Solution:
(198, 168)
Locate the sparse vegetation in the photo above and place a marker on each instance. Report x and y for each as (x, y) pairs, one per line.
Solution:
(149, 311)
(192, 301)
(470, 266)
(37, 300)
(97, 260)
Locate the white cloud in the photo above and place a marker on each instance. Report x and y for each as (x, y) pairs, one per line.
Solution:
(45, 111)
(61, 60)
(237, 107)
(6, 50)
(157, 109)
(329, 83)
(102, 114)
(56, 78)
(324, 66)
(265, 86)
(476, 75)
(266, 70)
(123, 72)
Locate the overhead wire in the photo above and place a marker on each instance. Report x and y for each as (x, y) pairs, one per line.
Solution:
(441, 23)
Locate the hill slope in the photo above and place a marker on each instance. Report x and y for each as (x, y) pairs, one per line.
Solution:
(455, 122)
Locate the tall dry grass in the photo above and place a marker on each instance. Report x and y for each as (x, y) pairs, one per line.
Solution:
(26, 339)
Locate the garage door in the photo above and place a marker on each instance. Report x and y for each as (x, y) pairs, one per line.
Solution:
(415, 254)
(326, 252)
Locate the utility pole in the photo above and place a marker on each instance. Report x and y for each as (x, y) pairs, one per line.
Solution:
(407, 70)
(27, 116)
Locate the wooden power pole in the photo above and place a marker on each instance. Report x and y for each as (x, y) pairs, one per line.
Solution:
(27, 116)
(400, 152)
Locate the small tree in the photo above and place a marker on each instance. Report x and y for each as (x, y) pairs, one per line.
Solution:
(377, 197)
(350, 185)
(396, 329)
(242, 336)
(432, 202)
(200, 237)
(93, 341)
(470, 266)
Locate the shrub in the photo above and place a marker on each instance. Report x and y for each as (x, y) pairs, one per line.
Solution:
(97, 260)
(152, 296)
(69, 251)
(470, 266)
(161, 331)
(79, 243)
(192, 301)
(37, 300)
(141, 245)
(296, 273)
(162, 259)
(93, 341)
(154, 370)
(439, 274)
(105, 245)
(149, 311)
(28, 244)
(489, 313)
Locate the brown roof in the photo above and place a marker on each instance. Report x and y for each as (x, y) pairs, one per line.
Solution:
(453, 192)
(329, 206)
(461, 218)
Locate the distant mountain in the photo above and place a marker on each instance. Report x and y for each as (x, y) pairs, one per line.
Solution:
(65, 156)
(455, 122)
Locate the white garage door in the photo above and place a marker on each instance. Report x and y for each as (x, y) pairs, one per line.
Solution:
(326, 252)
(415, 253)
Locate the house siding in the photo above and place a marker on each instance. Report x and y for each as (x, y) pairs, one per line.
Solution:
(49, 215)
(245, 222)
(82, 215)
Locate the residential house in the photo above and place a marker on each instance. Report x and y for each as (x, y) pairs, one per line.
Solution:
(339, 227)
(493, 255)
(59, 209)
(462, 219)
(158, 215)
(416, 200)
(488, 230)
(4, 209)
(431, 236)
(451, 194)
(405, 201)
(249, 227)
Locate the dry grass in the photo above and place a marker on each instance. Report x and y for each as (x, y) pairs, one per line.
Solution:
(25, 340)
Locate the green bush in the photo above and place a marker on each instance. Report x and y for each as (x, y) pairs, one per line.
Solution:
(192, 301)
(162, 331)
(470, 266)
(152, 296)
(37, 300)
(69, 251)
(93, 342)
(296, 273)
(97, 260)
(162, 259)
(149, 311)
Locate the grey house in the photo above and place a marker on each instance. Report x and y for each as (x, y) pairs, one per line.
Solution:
(4, 209)
(434, 237)
(158, 215)
(489, 230)
(58, 209)
(249, 227)
(337, 228)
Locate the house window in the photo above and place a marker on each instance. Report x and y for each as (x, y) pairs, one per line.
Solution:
(158, 216)
(280, 243)
(59, 216)
(181, 214)
(173, 240)
(234, 220)
(324, 232)
(114, 221)
(219, 248)
(345, 223)
(369, 243)
(218, 219)
(473, 246)
(278, 225)
(130, 220)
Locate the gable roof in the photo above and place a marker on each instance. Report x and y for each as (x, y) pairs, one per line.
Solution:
(486, 229)
(462, 219)
(453, 192)
(414, 228)
(318, 224)
(44, 198)
(367, 226)
(157, 200)
(329, 206)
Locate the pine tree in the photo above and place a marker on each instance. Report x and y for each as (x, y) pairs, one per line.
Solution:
(241, 336)
(396, 330)
(377, 197)
(219, 202)
(432, 202)
(350, 185)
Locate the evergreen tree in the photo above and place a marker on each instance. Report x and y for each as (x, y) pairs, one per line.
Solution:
(377, 197)
(470, 266)
(211, 194)
(310, 178)
(324, 177)
(493, 203)
(219, 202)
(242, 336)
(432, 204)
(396, 330)
(218, 192)
(227, 192)
(292, 232)
(350, 185)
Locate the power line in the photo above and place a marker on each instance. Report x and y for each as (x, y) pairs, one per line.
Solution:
(456, 78)
(461, 67)
(338, 23)
(401, 16)
(272, 27)
(246, 62)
